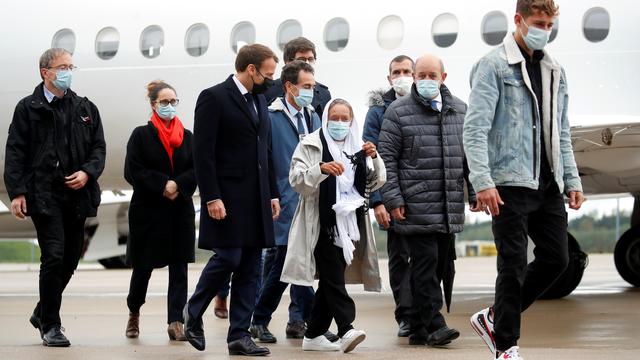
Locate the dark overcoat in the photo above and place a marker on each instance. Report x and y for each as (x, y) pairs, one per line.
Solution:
(161, 231)
(232, 157)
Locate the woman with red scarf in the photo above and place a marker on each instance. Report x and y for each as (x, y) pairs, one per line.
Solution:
(159, 166)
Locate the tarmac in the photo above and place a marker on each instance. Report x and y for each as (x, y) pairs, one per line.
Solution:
(600, 320)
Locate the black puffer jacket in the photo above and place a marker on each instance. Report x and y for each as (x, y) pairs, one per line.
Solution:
(426, 167)
(30, 160)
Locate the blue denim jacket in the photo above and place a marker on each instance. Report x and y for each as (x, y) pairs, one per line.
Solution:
(501, 138)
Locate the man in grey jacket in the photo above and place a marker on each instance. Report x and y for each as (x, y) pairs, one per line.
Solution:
(518, 141)
(421, 145)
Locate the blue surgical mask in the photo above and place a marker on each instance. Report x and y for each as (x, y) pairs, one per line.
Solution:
(536, 38)
(338, 130)
(166, 112)
(63, 79)
(304, 98)
(428, 89)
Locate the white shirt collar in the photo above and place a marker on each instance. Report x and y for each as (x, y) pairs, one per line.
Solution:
(243, 90)
(292, 110)
(439, 101)
(48, 94)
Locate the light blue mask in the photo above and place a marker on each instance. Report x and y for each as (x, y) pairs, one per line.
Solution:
(166, 112)
(536, 38)
(338, 130)
(63, 80)
(428, 89)
(304, 98)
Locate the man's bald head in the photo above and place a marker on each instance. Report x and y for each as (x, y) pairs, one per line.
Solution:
(429, 62)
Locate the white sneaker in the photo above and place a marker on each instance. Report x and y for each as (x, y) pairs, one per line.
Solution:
(511, 354)
(351, 339)
(482, 323)
(319, 343)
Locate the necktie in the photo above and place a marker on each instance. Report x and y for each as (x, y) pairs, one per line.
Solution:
(434, 105)
(252, 108)
(300, 124)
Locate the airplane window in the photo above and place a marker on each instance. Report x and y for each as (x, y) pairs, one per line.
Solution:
(390, 32)
(244, 33)
(554, 30)
(288, 30)
(196, 42)
(444, 30)
(494, 27)
(336, 34)
(107, 43)
(595, 24)
(152, 41)
(65, 39)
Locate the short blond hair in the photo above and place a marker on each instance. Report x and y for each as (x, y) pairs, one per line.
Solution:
(528, 7)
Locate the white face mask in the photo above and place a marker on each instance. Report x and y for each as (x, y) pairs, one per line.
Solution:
(402, 85)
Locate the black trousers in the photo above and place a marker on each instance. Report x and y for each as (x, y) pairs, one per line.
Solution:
(331, 301)
(176, 294)
(541, 215)
(61, 240)
(243, 265)
(399, 275)
(428, 254)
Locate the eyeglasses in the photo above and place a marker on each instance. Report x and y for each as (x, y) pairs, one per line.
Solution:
(63, 68)
(173, 102)
(310, 60)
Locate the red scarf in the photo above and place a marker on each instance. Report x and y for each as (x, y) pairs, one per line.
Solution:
(170, 137)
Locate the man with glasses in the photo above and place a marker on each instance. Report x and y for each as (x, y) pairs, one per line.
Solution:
(302, 49)
(55, 153)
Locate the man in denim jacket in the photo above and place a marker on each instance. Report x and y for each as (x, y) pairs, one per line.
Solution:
(518, 148)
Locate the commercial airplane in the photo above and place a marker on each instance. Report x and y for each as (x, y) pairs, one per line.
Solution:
(119, 46)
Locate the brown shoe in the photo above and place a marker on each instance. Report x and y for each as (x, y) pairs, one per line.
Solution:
(220, 307)
(133, 326)
(176, 331)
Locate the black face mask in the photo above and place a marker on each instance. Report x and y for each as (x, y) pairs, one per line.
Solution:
(262, 88)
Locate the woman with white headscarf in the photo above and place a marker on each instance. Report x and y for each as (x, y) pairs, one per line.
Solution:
(333, 171)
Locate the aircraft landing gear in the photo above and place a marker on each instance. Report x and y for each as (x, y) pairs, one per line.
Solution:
(627, 256)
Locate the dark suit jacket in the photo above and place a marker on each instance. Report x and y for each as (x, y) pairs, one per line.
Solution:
(161, 231)
(321, 95)
(232, 158)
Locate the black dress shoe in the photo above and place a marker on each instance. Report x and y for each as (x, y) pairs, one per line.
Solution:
(404, 329)
(331, 336)
(442, 336)
(295, 330)
(55, 338)
(35, 321)
(418, 337)
(193, 330)
(245, 346)
(261, 333)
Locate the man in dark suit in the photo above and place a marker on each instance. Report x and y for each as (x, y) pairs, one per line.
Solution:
(302, 49)
(232, 159)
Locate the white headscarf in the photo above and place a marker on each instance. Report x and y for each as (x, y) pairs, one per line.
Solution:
(347, 197)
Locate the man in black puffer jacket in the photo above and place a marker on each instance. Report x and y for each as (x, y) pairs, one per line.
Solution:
(421, 145)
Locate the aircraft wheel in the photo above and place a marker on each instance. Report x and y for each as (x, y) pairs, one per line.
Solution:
(570, 279)
(627, 256)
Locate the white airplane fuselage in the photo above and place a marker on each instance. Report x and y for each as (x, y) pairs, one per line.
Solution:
(602, 76)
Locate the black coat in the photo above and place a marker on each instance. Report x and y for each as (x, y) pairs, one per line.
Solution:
(233, 163)
(321, 95)
(426, 165)
(32, 145)
(161, 231)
